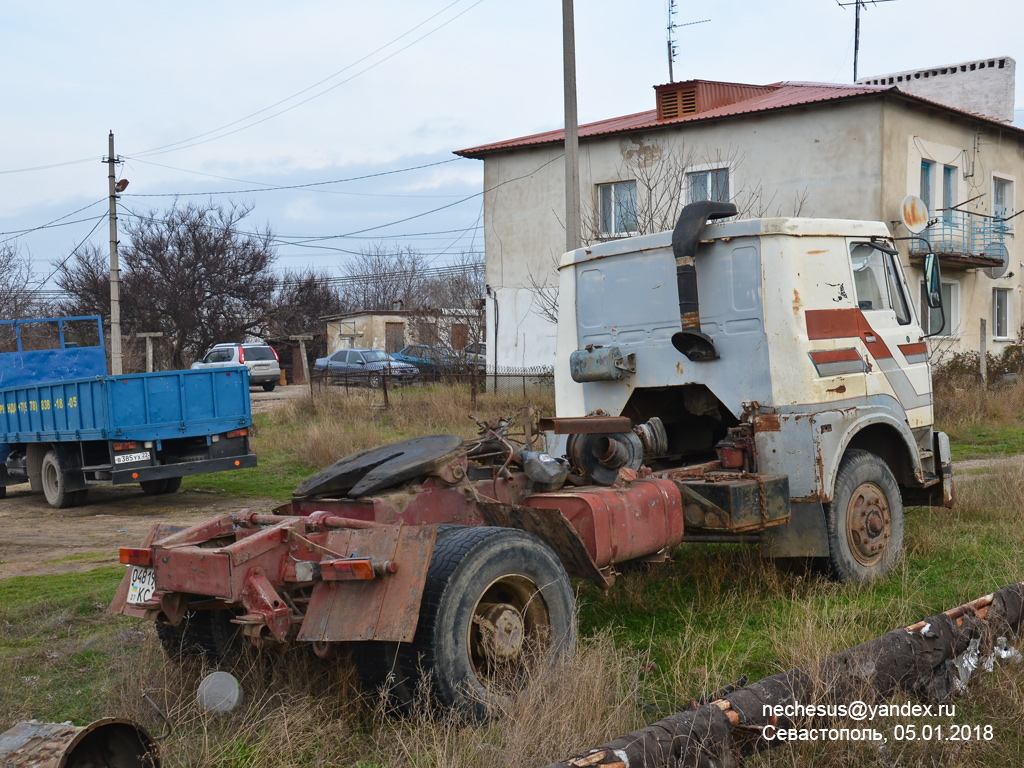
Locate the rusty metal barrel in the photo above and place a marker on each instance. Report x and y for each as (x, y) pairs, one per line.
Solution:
(107, 743)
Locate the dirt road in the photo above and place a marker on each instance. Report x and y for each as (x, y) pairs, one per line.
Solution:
(36, 539)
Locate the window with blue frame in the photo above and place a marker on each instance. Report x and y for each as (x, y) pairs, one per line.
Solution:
(926, 183)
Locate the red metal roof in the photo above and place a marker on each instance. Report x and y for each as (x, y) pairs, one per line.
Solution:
(780, 96)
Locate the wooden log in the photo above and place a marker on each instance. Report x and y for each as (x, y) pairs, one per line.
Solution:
(916, 659)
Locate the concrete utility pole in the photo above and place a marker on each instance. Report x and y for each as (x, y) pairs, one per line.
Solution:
(572, 139)
(302, 339)
(115, 277)
(149, 346)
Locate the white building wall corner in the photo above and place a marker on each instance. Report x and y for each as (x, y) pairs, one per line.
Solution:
(983, 87)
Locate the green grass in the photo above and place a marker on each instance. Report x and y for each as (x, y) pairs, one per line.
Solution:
(980, 441)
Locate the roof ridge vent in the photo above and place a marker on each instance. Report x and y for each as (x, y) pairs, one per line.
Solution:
(689, 97)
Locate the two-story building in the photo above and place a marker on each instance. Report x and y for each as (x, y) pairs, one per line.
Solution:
(790, 148)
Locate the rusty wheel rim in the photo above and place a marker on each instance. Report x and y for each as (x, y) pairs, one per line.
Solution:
(868, 524)
(509, 629)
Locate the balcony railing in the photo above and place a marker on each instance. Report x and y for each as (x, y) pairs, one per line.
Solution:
(965, 239)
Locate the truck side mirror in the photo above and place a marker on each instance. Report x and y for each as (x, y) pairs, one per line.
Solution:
(932, 281)
(933, 290)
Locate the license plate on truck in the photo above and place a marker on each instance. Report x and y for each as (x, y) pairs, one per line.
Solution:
(128, 458)
(141, 585)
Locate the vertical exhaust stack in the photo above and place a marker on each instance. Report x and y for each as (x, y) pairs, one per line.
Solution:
(697, 346)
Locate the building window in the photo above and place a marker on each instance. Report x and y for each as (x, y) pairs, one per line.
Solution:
(932, 320)
(1002, 197)
(617, 203)
(709, 185)
(926, 184)
(948, 192)
(1001, 313)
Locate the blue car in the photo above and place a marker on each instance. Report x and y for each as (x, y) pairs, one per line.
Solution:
(430, 361)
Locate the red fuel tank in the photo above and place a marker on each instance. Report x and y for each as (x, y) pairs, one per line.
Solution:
(619, 524)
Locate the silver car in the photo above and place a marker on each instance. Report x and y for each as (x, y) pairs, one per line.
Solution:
(258, 357)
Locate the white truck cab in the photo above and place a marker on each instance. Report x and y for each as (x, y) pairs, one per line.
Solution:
(803, 357)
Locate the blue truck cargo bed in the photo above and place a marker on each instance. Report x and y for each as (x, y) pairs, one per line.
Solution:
(66, 425)
(138, 406)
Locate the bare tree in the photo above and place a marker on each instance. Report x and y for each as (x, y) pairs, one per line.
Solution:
(190, 272)
(381, 275)
(450, 306)
(301, 299)
(85, 281)
(456, 287)
(16, 297)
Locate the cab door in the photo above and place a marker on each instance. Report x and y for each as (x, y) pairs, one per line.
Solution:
(897, 353)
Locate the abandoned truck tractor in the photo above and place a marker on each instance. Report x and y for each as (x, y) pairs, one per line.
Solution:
(795, 413)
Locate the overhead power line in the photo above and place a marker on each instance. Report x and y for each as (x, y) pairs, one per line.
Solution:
(19, 232)
(51, 165)
(99, 220)
(271, 188)
(201, 138)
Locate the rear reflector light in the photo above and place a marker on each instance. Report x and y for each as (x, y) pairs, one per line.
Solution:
(125, 446)
(137, 556)
(237, 433)
(350, 568)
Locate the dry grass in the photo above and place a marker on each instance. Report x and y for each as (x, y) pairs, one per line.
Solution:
(301, 711)
(959, 403)
(335, 422)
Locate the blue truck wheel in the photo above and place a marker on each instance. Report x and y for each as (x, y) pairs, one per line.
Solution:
(55, 482)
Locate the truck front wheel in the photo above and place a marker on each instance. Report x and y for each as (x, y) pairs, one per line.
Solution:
(497, 607)
(865, 519)
(55, 482)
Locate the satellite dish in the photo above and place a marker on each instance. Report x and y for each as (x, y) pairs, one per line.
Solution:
(997, 250)
(914, 214)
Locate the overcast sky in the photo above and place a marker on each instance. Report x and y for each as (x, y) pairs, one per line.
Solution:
(219, 97)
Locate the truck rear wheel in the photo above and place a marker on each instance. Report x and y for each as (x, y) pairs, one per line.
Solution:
(153, 487)
(55, 482)
(202, 635)
(497, 606)
(157, 487)
(865, 519)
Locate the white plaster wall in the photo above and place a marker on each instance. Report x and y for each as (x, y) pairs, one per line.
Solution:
(854, 160)
(830, 157)
(979, 152)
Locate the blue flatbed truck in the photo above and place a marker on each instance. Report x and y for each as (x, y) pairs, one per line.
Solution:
(66, 425)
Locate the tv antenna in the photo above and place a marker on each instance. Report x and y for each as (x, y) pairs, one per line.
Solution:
(856, 27)
(672, 26)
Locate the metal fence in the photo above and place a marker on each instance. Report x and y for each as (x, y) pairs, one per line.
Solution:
(965, 233)
(501, 381)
